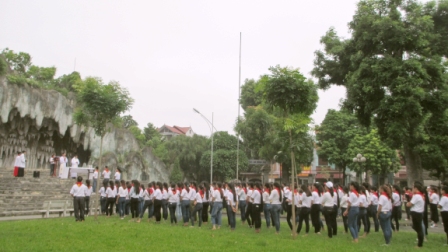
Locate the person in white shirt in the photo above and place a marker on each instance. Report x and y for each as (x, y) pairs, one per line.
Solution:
(110, 195)
(192, 197)
(289, 206)
(396, 207)
(363, 206)
(304, 215)
(352, 211)
(158, 201)
(344, 204)
(257, 206)
(17, 164)
(87, 198)
(134, 193)
(95, 179)
(374, 206)
(384, 213)
(248, 214)
(267, 204)
(74, 164)
(106, 174)
(275, 198)
(117, 175)
(22, 164)
(103, 198)
(121, 199)
(165, 201)
(217, 199)
(78, 193)
(185, 205)
(62, 165)
(173, 197)
(242, 202)
(197, 210)
(315, 207)
(52, 171)
(417, 205)
(205, 202)
(328, 208)
(443, 205)
(433, 203)
(232, 205)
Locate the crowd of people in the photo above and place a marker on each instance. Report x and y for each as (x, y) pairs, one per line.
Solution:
(358, 205)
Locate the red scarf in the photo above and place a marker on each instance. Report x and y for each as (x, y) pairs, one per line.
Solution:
(245, 190)
(421, 194)
(267, 190)
(148, 190)
(79, 184)
(279, 194)
(295, 191)
(259, 191)
(385, 194)
(174, 191)
(445, 195)
(129, 190)
(375, 193)
(355, 192)
(201, 193)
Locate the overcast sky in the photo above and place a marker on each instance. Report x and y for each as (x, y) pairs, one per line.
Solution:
(174, 56)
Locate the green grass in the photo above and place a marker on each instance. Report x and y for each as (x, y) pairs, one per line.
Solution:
(113, 234)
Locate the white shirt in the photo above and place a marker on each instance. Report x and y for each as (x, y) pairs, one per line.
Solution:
(75, 162)
(63, 160)
(327, 200)
(434, 198)
(217, 196)
(286, 193)
(192, 194)
(397, 199)
(123, 192)
(106, 174)
(117, 176)
(249, 195)
(266, 197)
(297, 200)
(230, 200)
(316, 198)
(133, 193)
(17, 161)
(185, 195)
(306, 200)
(444, 203)
(374, 199)
(51, 160)
(274, 198)
(158, 194)
(344, 201)
(103, 192)
(385, 203)
(353, 199)
(146, 195)
(22, 160)
(256, 197)
(173, 196)
(418, 203)
(89, 191)
(78, 191)
(110, 192)
(363, 201)
(198, 198)
(164, 194)
(95, 175)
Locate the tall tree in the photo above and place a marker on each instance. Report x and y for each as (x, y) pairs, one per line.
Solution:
(334, 135)
(391, 67)
(99, 105)
(128, 121)
(295, 98)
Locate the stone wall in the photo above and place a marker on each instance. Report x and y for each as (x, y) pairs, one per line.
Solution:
(41, 122)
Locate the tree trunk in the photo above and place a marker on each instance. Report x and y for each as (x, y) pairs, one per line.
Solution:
(98, 185)
(293, 206)
(414, 169)
(343, 176)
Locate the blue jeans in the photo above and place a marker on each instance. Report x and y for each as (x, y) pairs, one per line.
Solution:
(242, 207)
(352, 221)
(94, 185)
(147, 204)
(121, 202)
(216, 213)
(267, 214)
(185, 210)
(275, 212)
(197, 211)
(385, 225)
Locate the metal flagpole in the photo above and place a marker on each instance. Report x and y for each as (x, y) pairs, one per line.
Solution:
(237, 133)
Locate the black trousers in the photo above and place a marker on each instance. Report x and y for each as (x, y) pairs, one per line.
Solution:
(78, 205)
(205, 206)
(87, 204)
(165, 209)
(344, 219)
(21, 172)
(434, 213)
(395, 217)
(109, 206)
(445, 220)
(289, 215)
(362, 217)
(330, 219)
(248, 214)
(304, 216)
(134, 208)
(417, 219)
(172, 208)
(256, 215)
(157, 208)
(315, 217)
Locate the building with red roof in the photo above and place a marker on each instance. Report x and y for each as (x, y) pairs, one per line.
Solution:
(171, 131)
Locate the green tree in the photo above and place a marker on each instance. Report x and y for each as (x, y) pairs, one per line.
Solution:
(176, 174)
(334, 135)
(128, 121)
(19, 62)
(250, 95)
(295, 98)
(380, 159)
(137, 132)
(392, 67)
(98, 106)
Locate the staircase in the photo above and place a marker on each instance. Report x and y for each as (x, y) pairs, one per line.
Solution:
(25, 195)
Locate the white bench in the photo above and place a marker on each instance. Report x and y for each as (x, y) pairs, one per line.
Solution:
(54, 206)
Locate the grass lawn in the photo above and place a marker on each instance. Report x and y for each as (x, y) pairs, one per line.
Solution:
(113, 234)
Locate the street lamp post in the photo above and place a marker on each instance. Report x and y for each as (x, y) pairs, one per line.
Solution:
(210, 125)
(359, 159)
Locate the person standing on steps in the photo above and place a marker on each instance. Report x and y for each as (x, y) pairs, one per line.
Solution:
(17, 164)
(74, 164)
(78, 193)
(106, 174)
(95, 179)
(62, 164)
(52, 165)
(22, 164)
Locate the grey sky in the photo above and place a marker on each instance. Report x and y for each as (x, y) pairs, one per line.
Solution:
(174, 56)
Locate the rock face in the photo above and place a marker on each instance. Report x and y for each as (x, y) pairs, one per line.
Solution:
(41, 122)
